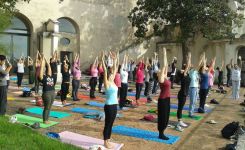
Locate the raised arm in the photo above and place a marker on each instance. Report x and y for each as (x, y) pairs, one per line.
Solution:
(239, 63)
(49, 71)
(188, 65)
(164, 70)
(222, 65)
(211, 67)
(200, 63)
(42, 68)
(105, 70)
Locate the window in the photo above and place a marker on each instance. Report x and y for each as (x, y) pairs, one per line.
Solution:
(15, 39)
(66, 26)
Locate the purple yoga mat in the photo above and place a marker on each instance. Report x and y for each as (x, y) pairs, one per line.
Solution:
(84, 141)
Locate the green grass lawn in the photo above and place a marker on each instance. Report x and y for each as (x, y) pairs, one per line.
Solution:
(19, 137)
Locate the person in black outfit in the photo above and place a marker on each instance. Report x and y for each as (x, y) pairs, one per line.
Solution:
(183, 92)
(31, 70)
(65, 80)
(228, 68)
(220, 75)
(48, 88)
(53, 65)
(173, 72)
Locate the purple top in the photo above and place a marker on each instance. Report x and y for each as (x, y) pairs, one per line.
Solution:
(76, 72)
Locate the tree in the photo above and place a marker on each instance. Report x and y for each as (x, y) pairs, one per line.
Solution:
(7, 10)
(214, 19)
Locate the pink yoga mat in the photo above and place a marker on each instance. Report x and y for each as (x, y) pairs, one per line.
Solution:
(84, 141)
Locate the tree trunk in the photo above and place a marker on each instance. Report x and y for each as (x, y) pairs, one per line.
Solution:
(185, 51)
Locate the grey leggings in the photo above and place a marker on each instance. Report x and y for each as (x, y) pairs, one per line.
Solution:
(48, 99)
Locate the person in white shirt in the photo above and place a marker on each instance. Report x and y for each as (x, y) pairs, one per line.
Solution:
(124, 82)
(20, 71)
(7, 75)
(236, 79)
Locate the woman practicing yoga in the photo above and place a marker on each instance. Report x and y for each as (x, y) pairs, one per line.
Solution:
(31, 70)
(194, 84)
(20, 71)
(183, 92)
(148, 79)
(48, 88)
(236, 78)
(111, 101)
(76, 73)
(65, 80)
(54, 64)
(139, 80)
(124, 85)
(37, 71)
(220, 75)
(93, 81)
(163, 106)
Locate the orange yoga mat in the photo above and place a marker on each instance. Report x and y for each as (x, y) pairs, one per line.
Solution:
(86, 97)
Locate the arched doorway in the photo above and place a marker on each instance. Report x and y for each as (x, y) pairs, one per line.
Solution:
(241, 52)
(69, 37)
(16, 38)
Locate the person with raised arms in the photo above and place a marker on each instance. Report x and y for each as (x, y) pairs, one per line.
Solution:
(76, 74)
(139, 80)
(111, 101)
(45, 77)
(54, 66)
(37, 71)
(194, 84)
(236, 78)
(163, 105)
(31, 70)
(93, 80)
(183, 92)
(65, 80)
(20, 71)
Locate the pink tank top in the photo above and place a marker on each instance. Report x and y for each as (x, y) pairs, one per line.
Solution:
(117, 80)
(94, 72)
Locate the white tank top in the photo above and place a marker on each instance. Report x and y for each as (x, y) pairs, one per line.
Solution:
(236, 74)
(20, 68)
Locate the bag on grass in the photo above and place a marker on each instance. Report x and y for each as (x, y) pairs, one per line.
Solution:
(230, 129)
(26, 92)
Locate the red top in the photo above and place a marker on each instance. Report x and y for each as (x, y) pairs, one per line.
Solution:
(139, 76)
(165, 89)
(117, 80)
(101, 71)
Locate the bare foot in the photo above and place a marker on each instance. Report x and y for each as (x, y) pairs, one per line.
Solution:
(46, 122)
(108, 145)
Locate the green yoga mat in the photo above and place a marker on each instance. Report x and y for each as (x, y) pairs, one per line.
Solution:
(54, 114)
(174, 114)
(32, 120)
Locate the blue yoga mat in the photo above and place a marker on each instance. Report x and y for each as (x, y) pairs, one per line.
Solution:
(174, 106)
(54, 114)
(143, 134)
(133, 94)
(101, 105)
(85, 110)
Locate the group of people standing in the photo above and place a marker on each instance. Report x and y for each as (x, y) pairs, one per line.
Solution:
(196, 81)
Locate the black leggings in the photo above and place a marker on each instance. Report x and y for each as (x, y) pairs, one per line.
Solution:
(75, 87)
(123, 94)
(92, 83)
(155, 84)
(110, 115)
(3, 99)
(203, 95)
(228, 80)
(163, 108)
(101, 80)
(138, 90)
(181, 104)
(172, 78)
(19, 78)
(48, 99)
(55, 78)
(64, 91)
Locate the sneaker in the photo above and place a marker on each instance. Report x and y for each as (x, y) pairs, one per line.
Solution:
(182, 124)
(200, 110)
(178, 128)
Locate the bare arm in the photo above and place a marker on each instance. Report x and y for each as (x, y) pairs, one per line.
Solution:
(164, 70)
(42, 69)
(105, 70)
(202, 57)
(188, 65)
(222, 66)
(49, 72)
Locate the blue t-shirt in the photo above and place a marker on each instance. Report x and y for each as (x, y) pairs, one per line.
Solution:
(204, 81)
(111, 95)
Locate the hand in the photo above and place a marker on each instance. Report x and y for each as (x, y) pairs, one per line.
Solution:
(240, 58)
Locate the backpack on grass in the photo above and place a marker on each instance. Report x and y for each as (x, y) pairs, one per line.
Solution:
(230, 129)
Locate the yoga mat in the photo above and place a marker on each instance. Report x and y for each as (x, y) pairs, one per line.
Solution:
(83, 141)
(101, 105)
(174, 114)
(10, 98)
(59, 104)
(86, 97)
(54, 114)
(143, 134)
(31, 120)
(133, 94)
(85, 110)
(174, 106)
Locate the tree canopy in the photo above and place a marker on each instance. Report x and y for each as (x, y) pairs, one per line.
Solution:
(214, 19)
